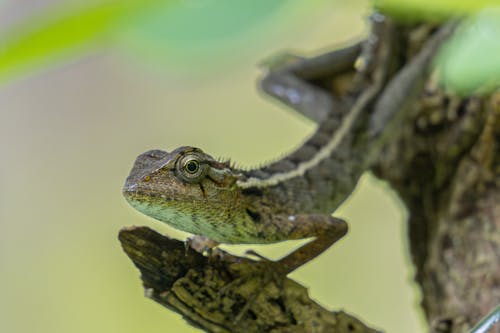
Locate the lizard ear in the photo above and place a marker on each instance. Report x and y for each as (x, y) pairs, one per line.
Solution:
(191, 168)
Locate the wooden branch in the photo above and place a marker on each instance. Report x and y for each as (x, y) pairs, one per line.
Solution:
(223, 293)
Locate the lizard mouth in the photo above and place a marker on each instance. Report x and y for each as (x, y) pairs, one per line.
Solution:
(133, 192)
(154, 205)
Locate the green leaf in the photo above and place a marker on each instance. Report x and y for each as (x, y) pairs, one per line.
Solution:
(470, 62)
(431, 10)
(202, 35)
(63, 33)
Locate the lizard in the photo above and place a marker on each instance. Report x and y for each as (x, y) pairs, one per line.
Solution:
(293, 197)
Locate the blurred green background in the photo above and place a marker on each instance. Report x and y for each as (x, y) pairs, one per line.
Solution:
(86, 87)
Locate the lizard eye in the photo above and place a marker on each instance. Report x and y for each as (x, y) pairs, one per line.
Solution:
(190, 168)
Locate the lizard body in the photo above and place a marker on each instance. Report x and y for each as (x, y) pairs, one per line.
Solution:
(293, 197)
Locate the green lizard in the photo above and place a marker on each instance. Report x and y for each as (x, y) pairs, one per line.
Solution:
(293, 197)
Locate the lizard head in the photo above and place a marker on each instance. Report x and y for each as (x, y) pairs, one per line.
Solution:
(185, 188)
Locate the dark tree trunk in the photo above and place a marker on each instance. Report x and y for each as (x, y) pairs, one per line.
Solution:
(445, 166)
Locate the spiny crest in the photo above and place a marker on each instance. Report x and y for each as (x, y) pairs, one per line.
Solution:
(228, 163)
(225, 161)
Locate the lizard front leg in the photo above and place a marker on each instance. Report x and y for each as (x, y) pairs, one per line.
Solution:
(325, 229)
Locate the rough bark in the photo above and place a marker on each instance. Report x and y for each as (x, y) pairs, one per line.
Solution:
(444, 162)
(223, 293)
(445, 165)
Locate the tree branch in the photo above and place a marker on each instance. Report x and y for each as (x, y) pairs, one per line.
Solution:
(223, 293)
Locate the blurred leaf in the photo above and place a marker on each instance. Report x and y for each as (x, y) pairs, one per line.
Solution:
(470, 62)
(192, 30)
(203, 33)
(431, 10)
(207, 22)
(61, 33)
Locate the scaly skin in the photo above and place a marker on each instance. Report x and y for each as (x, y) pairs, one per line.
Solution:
(191, 191)
(293, 197)
(206, 203)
